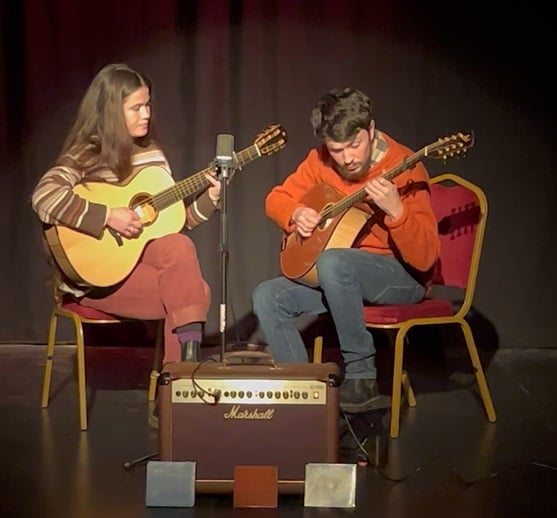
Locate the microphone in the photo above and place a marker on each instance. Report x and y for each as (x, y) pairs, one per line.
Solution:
(225, 150)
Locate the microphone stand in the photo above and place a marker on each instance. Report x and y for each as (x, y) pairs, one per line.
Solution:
(226, 168)
(225, 164)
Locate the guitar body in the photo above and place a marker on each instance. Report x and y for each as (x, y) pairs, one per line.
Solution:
(106, 261)
(298, 255)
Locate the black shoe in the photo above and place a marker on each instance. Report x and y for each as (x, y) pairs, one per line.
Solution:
(153, 415)
(361, 395)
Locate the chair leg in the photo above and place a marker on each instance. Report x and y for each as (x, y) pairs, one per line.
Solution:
(318, 349)
(157, 361)
(478, 370)
(397, 384)
(81, 383)
(153, 384)
(408, 390)
(406, 384)
(50, 343)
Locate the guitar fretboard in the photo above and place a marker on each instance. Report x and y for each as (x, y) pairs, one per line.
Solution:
(197, 182)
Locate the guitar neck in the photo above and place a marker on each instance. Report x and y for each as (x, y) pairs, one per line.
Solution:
(348, 201)
(198, 181)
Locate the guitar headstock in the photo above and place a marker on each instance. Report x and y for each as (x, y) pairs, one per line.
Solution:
(271, 140)
(451, 146)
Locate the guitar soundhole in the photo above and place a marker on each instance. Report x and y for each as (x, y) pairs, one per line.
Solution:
(144, 206)
(323, 224)
(325, 216)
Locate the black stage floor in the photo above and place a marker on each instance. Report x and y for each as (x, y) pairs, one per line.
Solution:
(448, 461)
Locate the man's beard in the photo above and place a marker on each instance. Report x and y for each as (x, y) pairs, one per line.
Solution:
(353, 176)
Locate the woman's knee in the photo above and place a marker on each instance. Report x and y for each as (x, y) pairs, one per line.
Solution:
(174, 247)
(178, 242)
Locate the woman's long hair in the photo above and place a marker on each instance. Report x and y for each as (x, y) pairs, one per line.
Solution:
(99, 136)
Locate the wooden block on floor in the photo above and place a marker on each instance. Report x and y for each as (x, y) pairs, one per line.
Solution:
(256, 486)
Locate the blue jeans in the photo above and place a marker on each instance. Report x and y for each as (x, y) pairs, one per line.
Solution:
(347, 278)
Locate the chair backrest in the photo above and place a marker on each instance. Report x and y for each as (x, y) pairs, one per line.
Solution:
(461, 211)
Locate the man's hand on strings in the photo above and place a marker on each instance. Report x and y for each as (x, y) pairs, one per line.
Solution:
(305, 219)
(385, 195)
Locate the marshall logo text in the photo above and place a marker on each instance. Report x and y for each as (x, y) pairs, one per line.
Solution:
(236, 413)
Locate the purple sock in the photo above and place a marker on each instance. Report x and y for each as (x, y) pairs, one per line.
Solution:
(189, 336)
(189, 333)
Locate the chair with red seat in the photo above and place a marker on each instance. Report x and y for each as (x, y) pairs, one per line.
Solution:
(461, 210)
(69, 308)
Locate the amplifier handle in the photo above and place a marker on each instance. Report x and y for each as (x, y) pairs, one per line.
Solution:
(248, 355)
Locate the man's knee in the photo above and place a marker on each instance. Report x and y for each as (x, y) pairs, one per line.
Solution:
(329, 263)
(261, 297)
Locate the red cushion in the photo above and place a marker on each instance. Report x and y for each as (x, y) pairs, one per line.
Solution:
(70, 304)
(387, 314)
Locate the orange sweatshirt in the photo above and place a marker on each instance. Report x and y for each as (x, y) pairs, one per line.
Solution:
(412, 237)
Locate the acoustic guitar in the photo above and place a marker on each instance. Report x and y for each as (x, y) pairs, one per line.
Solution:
(154, 195)
(342, 222)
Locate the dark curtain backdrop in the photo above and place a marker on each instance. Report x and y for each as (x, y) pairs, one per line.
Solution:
(225, 66)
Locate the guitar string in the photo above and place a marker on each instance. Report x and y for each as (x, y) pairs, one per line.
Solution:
(181, 189)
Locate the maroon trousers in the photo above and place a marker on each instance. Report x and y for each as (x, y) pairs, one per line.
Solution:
(167, 283)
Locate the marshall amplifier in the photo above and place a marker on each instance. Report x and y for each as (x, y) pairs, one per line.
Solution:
(226, 414)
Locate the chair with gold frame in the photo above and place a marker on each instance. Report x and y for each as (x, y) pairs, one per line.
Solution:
(461, 209)
(79, 315)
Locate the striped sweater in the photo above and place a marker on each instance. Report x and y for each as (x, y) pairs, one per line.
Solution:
(56, 204)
